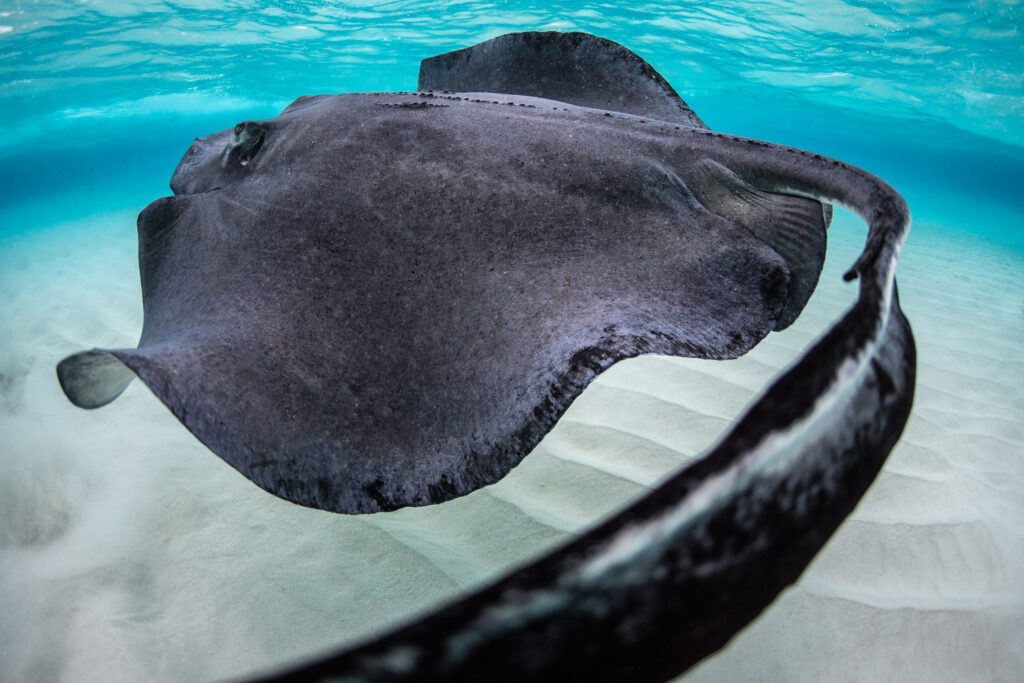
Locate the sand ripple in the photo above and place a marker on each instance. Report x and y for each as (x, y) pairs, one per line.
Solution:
(129, 552)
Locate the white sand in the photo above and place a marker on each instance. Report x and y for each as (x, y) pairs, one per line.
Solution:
(129, 552)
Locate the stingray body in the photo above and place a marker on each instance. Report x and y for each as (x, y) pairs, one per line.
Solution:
(386, 299)
(380, 300)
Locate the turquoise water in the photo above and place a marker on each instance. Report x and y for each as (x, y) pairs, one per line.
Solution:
(98, 102)
(99, 99)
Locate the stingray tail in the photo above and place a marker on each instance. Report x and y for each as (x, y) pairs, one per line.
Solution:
(669, 580)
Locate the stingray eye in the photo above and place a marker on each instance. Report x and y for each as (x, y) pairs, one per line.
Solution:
(247, 140)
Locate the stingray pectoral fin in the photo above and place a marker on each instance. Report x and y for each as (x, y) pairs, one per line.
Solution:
(795, 227)
(576, 68)
(91, 379)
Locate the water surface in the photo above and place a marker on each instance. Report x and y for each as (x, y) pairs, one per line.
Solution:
(129, 552)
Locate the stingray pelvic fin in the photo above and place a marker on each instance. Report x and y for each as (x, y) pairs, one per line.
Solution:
(576, 68)
(795, 227)
(92, 379)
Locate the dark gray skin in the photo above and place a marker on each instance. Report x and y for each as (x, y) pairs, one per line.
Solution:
(669, 580)
(380, 300)
(658, 235)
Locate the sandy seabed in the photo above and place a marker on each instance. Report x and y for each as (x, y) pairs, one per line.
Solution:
(129, 552)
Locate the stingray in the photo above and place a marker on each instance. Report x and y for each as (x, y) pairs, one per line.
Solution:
(378, 300)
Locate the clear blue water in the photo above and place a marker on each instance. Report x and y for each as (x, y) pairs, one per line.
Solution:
(98, 100)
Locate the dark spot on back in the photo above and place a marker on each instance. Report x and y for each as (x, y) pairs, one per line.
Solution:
(373, 490)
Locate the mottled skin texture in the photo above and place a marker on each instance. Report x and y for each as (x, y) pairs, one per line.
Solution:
(452, 271)
(592, 611)
(669, 580)
(387, 299)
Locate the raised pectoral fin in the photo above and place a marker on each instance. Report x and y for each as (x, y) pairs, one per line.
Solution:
(576, 68)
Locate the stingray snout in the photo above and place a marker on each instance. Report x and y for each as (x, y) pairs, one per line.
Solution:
(199, 170)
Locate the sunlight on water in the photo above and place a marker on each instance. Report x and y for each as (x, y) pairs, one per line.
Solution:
(960, 64)
(130, 552)
(946, 79)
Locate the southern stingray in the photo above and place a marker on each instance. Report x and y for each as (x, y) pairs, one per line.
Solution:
(380, 300)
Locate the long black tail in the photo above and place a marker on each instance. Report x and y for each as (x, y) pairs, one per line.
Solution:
(670, 579)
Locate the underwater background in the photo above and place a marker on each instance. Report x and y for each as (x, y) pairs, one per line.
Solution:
(130, 552)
